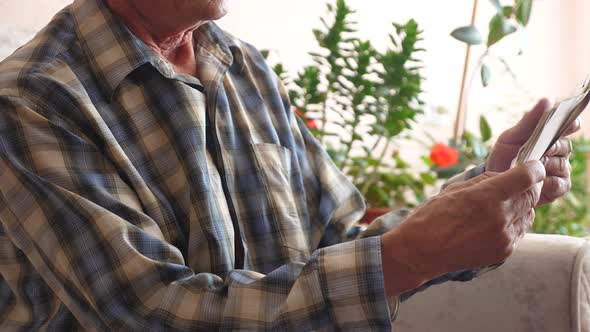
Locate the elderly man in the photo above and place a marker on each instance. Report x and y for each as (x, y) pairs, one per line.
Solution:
(154, 177)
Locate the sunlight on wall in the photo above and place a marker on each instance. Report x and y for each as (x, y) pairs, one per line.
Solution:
(551, 65)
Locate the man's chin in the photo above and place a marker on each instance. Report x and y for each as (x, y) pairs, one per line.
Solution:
(217, 9)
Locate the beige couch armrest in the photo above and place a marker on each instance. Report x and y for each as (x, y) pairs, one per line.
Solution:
(544, 286)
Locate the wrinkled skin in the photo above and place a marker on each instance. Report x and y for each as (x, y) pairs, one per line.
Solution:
(167, 26)
(480, 221)
(167, 17)
(468, 225)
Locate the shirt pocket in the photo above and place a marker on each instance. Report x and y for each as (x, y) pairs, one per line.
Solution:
(265, 203)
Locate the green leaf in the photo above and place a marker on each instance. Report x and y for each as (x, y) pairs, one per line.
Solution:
(507, 11)
(427, 161)
(264, 53)
(497, 5)
(467, 34)
(523, 11)
(484, 128)
(479, 150)
(467, 136)
(495, 33)
(485, 75)
(377, 196)
(499, 28)
(401, 163)
(428, 178)
(449, 172)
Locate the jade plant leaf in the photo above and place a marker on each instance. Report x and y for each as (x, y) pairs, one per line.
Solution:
(467, 34)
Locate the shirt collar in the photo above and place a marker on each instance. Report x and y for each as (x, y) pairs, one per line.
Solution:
(114, 52)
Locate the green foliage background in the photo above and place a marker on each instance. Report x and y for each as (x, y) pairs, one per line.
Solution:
(569, 214)
(364, 100)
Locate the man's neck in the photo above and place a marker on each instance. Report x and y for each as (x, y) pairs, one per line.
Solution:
(178, 50)
(173, 43)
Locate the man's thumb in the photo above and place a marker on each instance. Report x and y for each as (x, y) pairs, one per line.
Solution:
(523, 129)
(517, 179)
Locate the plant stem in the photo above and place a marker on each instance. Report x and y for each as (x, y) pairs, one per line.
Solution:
(515, 79)
(348, 146)
(459, 116)
(324, 117)
(377, 143)
(374, 175)
(356, 176)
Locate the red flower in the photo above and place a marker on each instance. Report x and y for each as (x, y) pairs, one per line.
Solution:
(311, 124)
(443, 155)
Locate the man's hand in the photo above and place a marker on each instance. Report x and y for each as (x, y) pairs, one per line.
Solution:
(470, 224)
(556, 162)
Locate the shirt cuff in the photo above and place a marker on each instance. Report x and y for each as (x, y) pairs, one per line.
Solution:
(352, 282)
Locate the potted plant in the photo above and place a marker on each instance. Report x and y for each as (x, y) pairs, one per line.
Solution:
(358, 102)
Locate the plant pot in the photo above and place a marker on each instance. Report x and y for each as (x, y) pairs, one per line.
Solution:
(372, 213)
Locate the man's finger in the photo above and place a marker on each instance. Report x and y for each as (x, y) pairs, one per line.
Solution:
(516, 180)
(561, 148)
(525, 201)
(472, 181)
(557, 166)
(523, 129)
(574, 127)
(554, 187)
(522, 225)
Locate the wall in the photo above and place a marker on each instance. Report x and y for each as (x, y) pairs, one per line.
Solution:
(555, 57)
(552, 63)
(32, 14)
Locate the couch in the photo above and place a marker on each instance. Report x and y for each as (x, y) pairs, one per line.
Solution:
(544, 286)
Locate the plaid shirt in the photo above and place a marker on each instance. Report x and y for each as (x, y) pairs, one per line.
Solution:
(123, 184)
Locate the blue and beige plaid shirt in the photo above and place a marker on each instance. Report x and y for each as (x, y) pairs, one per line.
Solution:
(123, 186)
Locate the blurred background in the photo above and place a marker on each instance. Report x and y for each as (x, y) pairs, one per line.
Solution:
(556, 56)
(550, 58)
